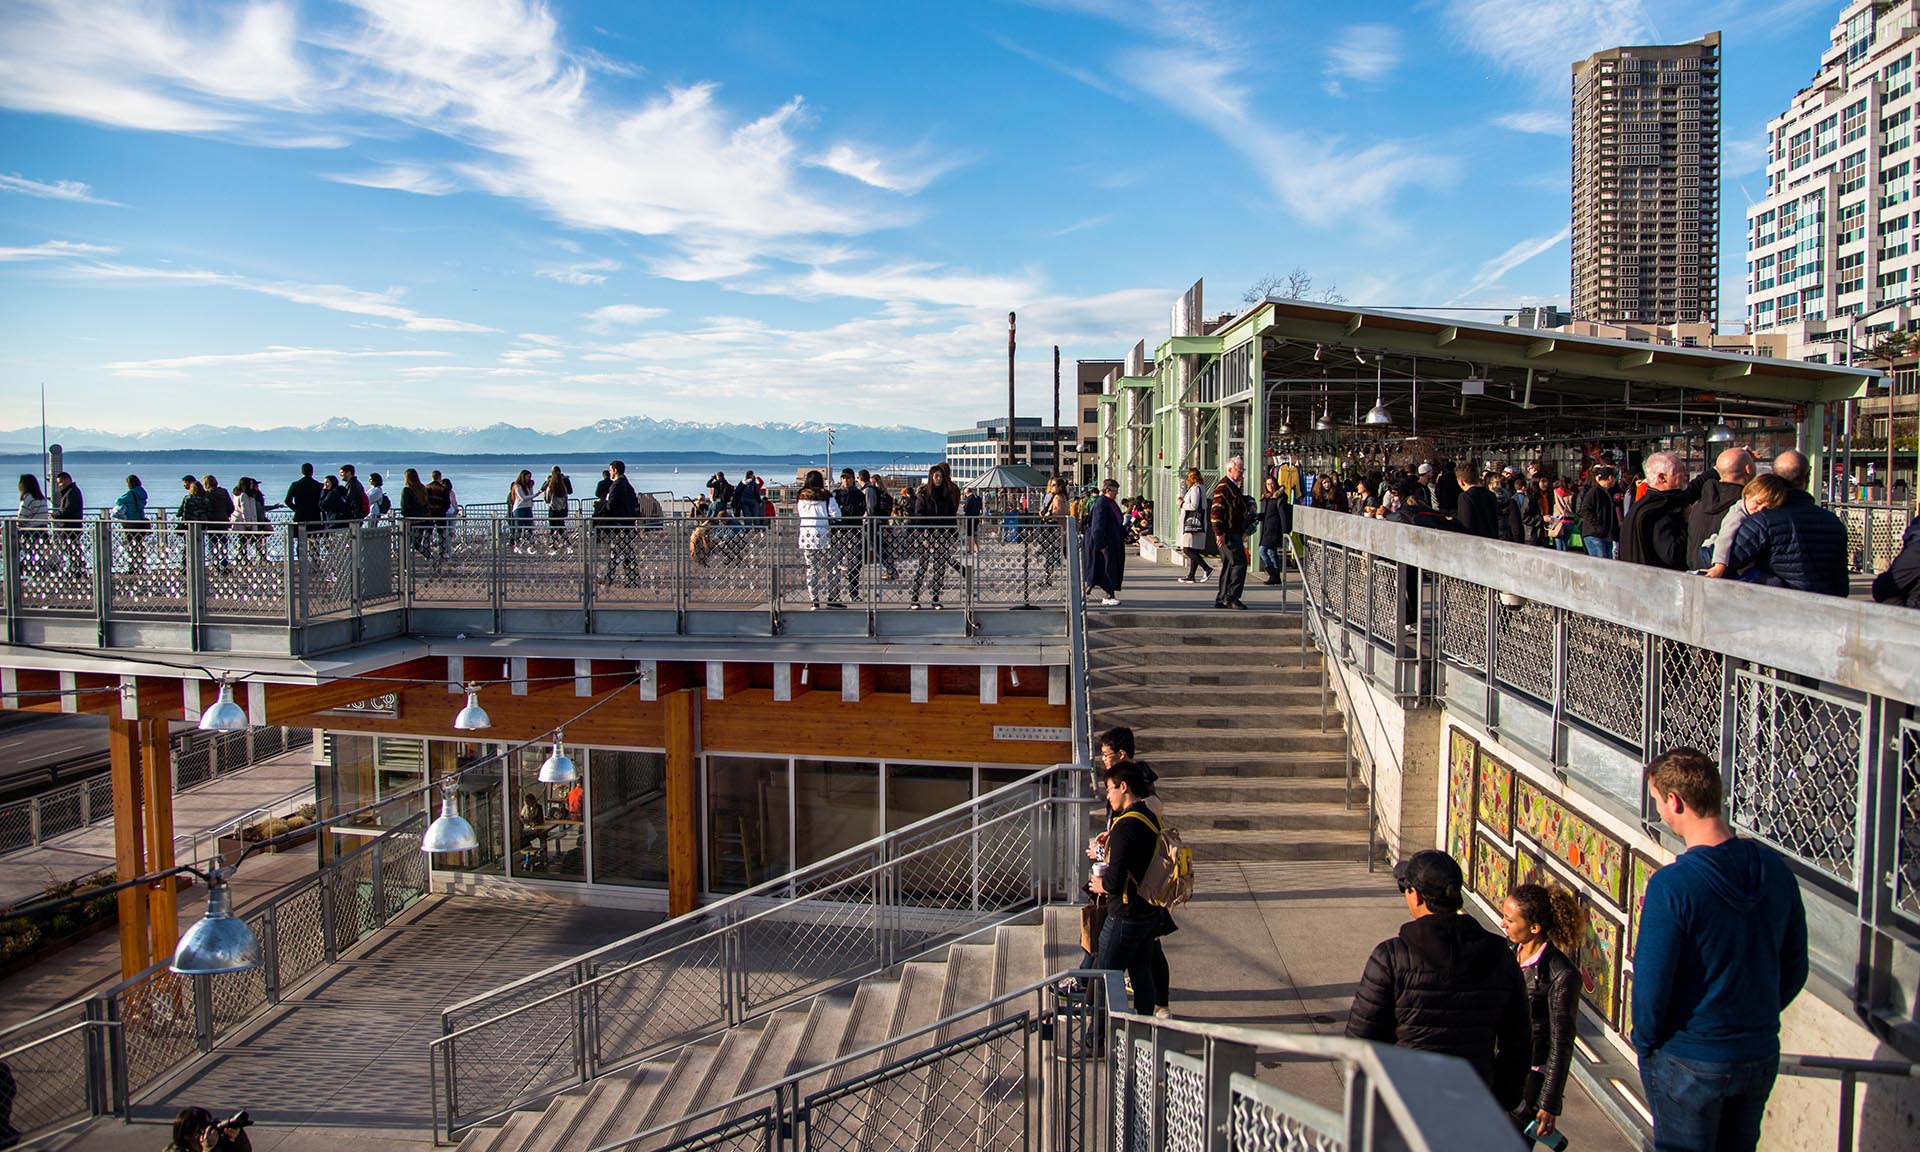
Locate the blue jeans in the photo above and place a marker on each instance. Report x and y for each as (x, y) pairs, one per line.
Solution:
(1598, 547)
(1705, 1106)
(1126, 945)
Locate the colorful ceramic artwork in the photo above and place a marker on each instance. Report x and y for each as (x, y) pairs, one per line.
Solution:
(1492, 870)
(1496, 794)
(1643, 870)
(1460, 763)
(1530, 867)
(1593, 855)
(1598, 959)
(1626, 1004)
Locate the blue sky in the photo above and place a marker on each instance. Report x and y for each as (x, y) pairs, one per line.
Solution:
(454, 212)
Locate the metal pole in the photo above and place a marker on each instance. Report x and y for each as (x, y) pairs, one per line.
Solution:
(1010, 346)
(1057, 470)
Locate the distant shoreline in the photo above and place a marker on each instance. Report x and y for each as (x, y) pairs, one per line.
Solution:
(631, 457)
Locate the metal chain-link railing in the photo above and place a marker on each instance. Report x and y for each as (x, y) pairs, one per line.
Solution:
(930, 884)
(91, 1057)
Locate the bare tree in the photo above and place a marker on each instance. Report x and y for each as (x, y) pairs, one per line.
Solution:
(1295, 285)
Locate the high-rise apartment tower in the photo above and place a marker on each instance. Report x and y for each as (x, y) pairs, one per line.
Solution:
(1830, 254)
(1646, 184)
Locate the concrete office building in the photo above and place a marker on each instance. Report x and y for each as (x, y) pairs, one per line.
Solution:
(972, 451)
(1829, 255)
(1646, 184)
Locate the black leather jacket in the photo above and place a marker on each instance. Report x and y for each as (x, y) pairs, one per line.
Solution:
(1553, 1002)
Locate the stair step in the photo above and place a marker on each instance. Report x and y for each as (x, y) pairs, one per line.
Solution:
(873, 1007)
(485, 1138)
(969, 984)
(556, 1124)
(1290, 716)
(1063, 938)
(779, 1044)
(1147, 672)
(1123, 619)
(1270, 817)
(721, 1080)
(1185, 792)
(682, 1085)
(826, 1033)
(1224, 846)
(605, 1101)
(1230, 764)
(1156, 744)
(1192, 699)
(1021, 959)
(510, 1135)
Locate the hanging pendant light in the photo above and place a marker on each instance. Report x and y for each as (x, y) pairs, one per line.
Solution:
(223, 715)
(472, 718)
(1286, 422)
(559, 767)
(1721, 433)
(1325, 423)
(219, 942)
(1378, 414)
(450, 832)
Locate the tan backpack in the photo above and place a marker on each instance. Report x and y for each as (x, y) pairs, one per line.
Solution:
(1168, 882)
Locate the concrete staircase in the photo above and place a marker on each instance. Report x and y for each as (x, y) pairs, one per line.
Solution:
(789, 1042)
(1223, 709)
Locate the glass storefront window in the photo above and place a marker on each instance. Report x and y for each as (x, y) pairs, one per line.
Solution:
(629, 812)
(747, 813)
(477, 797)
(836, 806)
(916, 791)
(549, 837)
(363, 771)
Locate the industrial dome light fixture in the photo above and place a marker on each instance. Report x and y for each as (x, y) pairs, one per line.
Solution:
(223, 715)
(450, 831)
(1378, 414)
(1721, 433)
(220, 942)
(472, 718)
(559, 767)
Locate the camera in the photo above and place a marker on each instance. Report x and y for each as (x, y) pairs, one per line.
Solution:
(237, 1121)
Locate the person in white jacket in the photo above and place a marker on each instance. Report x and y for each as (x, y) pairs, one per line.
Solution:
(1193, 527)
(816, 511)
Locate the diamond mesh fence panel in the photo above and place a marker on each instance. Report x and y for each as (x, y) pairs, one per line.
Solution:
(300, 917)
(972, 1092)
(733, 565)
(501, 1063)
(831, 937)
(48, 1061)
(1186, 1103)
(1121, 1096)
(1140, 1093)
(1885, 527)
(158, 1027)
(1605, 684)
(99, 797)
(244, 573)
(1019, 562)
(452, 561)
(1523, 648)
(1258, 1123)
(56, 569)
(1383, 584)
(234, 996)
(653, 1003)
(1796, 770)
(16, 826)
(815, 567)
(1856, 522)
(1354, 574)
(1907, 844)
(1463, 623)
(353, 911)
(60, 812)
(983, 858)
(1690, 683)
(639, 563)
(756, 1130)
(148, 569)
(325, 566)
(922, 565)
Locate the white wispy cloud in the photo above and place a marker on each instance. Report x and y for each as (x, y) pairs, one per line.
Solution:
(415, 178)
(1492, 271)
(580, 272)
(897, 174)
(1082, 225)
(1541, 123)
(266, 358)
(1541, 41)
(53, 250)
(621, 315)
(72, 190)
(1073, 72)
(334, 297)
(1363, 53)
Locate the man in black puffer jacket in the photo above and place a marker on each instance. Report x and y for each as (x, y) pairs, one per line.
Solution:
(1445, 984)
(1797, 545)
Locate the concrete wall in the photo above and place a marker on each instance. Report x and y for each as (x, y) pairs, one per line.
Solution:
(1805, 1112)
(1398, 749)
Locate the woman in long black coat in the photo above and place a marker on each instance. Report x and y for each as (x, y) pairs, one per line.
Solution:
(1105, 550)
(1276, 521)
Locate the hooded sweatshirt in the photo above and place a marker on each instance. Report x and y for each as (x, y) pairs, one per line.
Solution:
(1722, 949)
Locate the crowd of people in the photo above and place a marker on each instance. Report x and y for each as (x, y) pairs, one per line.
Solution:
(1734, 521)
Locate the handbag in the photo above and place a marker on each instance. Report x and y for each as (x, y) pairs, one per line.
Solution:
(1093, 917)
(1191, 524)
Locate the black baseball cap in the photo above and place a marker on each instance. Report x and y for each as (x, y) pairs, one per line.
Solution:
(1433, 874)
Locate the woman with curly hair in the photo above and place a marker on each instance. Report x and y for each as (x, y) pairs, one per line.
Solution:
(1541, 923)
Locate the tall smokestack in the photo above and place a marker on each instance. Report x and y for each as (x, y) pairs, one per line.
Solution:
(1055, 434)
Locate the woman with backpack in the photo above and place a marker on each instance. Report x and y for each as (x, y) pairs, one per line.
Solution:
(1132, 922)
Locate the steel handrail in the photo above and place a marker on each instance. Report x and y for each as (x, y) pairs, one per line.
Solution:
(765, 888)
(1848, 1071)
(773, 908)
(1113, 983)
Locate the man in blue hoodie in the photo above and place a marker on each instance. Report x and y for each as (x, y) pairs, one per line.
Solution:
(1722, 949)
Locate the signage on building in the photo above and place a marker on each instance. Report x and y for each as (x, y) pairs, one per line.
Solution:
(1032, 732)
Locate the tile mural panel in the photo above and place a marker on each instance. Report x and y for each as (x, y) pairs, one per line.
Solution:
(1492, 870)
(1530, 867)
(1626, 1004)
(1461, 751)
(1594, 855)
(1496, 795)
(1598, 959)
(1643, 868)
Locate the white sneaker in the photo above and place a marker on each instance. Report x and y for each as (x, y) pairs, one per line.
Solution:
(1183, 580)
(1162, 1013)
(1110, 602)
